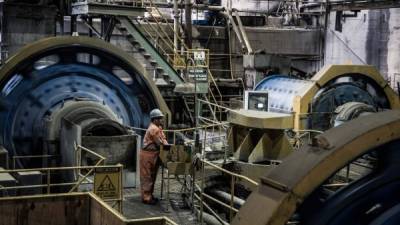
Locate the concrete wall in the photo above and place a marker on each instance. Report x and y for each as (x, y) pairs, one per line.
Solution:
(373, 37)
(23, 24)
(393, 46)
(297, 43)
(57, 210)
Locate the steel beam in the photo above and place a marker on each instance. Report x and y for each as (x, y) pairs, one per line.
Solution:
(85, 8)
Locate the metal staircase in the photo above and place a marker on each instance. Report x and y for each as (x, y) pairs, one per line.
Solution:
(151, 44)
(154, 62)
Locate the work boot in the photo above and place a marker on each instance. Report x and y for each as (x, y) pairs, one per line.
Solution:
(153, 201)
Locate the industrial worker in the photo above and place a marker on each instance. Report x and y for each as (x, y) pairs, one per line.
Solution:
(149, 156)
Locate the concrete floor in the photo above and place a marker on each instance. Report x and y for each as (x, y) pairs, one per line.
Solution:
(179, 212)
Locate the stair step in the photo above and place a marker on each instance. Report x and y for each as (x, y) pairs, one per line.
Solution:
(121, 28)
(165, 76)
(147, 55)
(130, 38)
(134, 42)
(148, 51)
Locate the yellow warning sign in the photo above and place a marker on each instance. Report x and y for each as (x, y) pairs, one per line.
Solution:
(107, 183)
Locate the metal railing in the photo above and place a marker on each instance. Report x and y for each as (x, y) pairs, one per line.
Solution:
(166, 46)
(78, 157)
(234, 178)
(206, 141)
(48, 172)
(76, 174)
(304, 134)
(15, 158)
(214, 108)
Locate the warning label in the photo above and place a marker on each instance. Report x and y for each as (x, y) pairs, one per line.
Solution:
(107, 183)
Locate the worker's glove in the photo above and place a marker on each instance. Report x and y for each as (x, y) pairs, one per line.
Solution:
(196, 161)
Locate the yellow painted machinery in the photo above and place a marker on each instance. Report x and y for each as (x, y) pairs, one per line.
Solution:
(347, 175)
(280, 103)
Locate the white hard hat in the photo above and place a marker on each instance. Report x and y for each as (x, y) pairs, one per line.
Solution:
(156, 113)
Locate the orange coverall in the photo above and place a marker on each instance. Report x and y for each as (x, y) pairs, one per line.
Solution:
(149, 160)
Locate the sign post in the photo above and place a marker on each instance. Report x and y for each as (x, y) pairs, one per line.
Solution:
(108, 183)
(198, 71)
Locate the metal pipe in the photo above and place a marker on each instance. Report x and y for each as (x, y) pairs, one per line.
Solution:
(231, 173)
(243, 33)
(73, 25)
(227, 197)
(176, 26)
(236, 29)
(212, 211)
(209, 219)
(232, 196)
(221, 203)
(188, 23)
(92, 30)
(202, 187)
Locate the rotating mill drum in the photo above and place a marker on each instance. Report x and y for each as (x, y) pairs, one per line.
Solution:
(334, 94)
(74, 79)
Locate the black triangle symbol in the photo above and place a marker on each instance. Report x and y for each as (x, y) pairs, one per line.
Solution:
(106, 185)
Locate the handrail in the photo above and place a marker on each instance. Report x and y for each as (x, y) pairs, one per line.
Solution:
(48, 171)
(220, 106)
(234, 177)
(78, 149)
(55, 168)
(231, 173)
(91, 152)
(175, 54)
(215, 83)
(165, 33)
(177, 34)
(148, 33)
(184, 129)
(15, 157)
(81, 179)
(210, 209)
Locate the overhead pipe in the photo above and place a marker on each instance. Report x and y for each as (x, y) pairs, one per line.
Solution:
(243, 33)
(235, 28)
(176, 26)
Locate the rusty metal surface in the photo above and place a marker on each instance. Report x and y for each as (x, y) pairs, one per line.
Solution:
(285, 187)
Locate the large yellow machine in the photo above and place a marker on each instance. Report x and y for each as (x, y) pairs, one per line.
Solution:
(280, 103)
